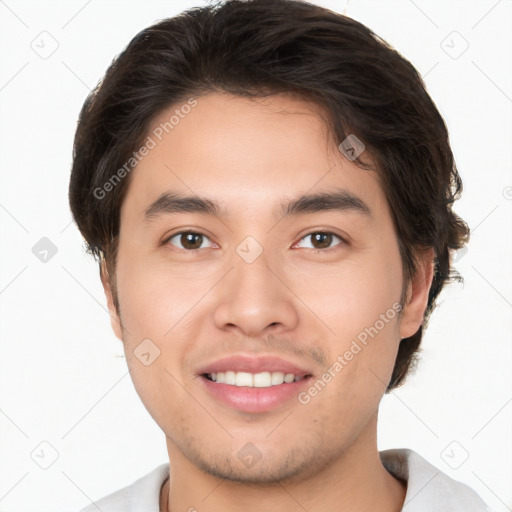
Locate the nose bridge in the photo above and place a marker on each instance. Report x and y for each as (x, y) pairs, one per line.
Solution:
(252, 275)
(252, 297)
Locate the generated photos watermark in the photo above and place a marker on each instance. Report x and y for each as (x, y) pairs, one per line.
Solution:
(342, 360)
(150, 143)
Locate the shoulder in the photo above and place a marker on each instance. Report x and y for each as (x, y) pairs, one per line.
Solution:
(428, 488)
(143, 494)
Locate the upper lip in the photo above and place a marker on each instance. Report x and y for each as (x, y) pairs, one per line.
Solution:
(254, 364)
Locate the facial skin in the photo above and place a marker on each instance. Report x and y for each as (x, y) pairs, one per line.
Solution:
(305, 306)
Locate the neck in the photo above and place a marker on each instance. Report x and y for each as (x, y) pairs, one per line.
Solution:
(355, 481)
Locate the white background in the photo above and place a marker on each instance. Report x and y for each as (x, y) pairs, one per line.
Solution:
(63, 377)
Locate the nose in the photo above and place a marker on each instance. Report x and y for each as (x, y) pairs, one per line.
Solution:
(255, 299)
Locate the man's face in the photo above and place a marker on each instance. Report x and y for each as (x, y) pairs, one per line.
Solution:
(259, 290)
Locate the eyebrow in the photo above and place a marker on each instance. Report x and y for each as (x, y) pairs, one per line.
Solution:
(338, 200)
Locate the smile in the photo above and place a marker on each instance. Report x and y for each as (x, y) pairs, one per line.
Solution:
(256, 380)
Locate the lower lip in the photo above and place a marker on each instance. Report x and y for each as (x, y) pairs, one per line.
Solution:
(249, 399)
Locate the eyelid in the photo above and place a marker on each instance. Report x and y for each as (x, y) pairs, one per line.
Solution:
(167, 239)
(343, 239)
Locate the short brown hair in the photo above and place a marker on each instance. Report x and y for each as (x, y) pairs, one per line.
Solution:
(257, 48)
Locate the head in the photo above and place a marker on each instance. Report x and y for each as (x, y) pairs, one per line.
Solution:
(250, 105)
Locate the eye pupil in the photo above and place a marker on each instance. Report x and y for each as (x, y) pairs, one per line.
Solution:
(195, 239)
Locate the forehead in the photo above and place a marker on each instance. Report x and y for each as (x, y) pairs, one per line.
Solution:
(245, 153)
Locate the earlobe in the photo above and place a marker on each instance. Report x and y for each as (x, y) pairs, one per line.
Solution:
(417, 295)
(115, 321)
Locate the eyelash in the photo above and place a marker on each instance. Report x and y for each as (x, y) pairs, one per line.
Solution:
(342, 240)
(329, 249)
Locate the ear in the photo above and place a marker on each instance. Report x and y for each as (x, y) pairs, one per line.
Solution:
(417, 295)
(115, 321)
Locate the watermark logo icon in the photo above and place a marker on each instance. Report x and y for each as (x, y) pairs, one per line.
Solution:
(44, 250)
(455, 455)
(44, 44)
(454, 45)
(352, 147)
(458, 255)
(44, 455)
(249, 455)
(249, 249)
(147, 352)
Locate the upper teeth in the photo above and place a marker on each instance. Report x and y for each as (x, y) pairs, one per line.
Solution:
(257, 380)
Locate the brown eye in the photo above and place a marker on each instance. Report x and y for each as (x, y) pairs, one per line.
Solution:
(321, 240)
(188, 240)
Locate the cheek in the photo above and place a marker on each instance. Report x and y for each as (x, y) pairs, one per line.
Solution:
(156, 298)
(152, 301)
(358, 308)
(351, 296)
(158, 306)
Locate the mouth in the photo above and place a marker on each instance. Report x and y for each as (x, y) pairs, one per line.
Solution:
(254, 384)
(254, 380)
